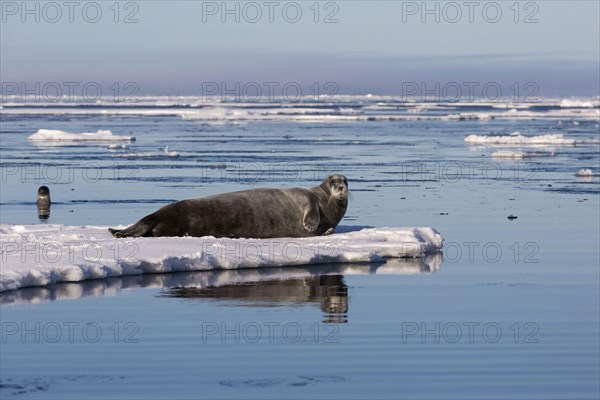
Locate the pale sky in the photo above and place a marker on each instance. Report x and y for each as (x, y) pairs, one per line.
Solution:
(374, 47)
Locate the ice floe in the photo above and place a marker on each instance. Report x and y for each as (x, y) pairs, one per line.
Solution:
(39, 255)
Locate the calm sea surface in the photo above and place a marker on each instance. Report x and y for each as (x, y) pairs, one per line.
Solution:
(509, 311)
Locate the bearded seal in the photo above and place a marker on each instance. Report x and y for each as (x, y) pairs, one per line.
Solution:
(43, 202)
(255, 213)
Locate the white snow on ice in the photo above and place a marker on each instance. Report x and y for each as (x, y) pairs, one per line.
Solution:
(115, 146)
(52, 137)
(516, 138)
(586, 173)
(570, 103)
(38, 255)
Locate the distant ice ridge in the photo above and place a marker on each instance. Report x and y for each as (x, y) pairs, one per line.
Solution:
(213, 110)
(203, 100)
(516, 138)
(39, 255)
(44, 136)
(244, 113)
(569, 103)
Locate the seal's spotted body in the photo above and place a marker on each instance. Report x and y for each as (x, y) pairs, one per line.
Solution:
(256, 213)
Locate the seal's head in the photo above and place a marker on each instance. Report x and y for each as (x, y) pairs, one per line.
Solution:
(336, 186)
(43, 202)
(43, 196)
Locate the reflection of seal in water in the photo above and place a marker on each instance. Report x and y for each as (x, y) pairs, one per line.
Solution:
(43, 202)
(329, 291)
(256, 213)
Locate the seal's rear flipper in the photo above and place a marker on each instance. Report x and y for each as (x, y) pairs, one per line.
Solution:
(140, 228)
(116, 232)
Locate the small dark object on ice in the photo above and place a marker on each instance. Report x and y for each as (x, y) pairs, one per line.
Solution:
(511, 217)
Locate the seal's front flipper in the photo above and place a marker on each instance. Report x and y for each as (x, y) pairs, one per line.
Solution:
(311, 218)
(328, 232)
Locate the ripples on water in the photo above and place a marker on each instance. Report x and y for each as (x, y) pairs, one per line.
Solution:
(463, 325)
